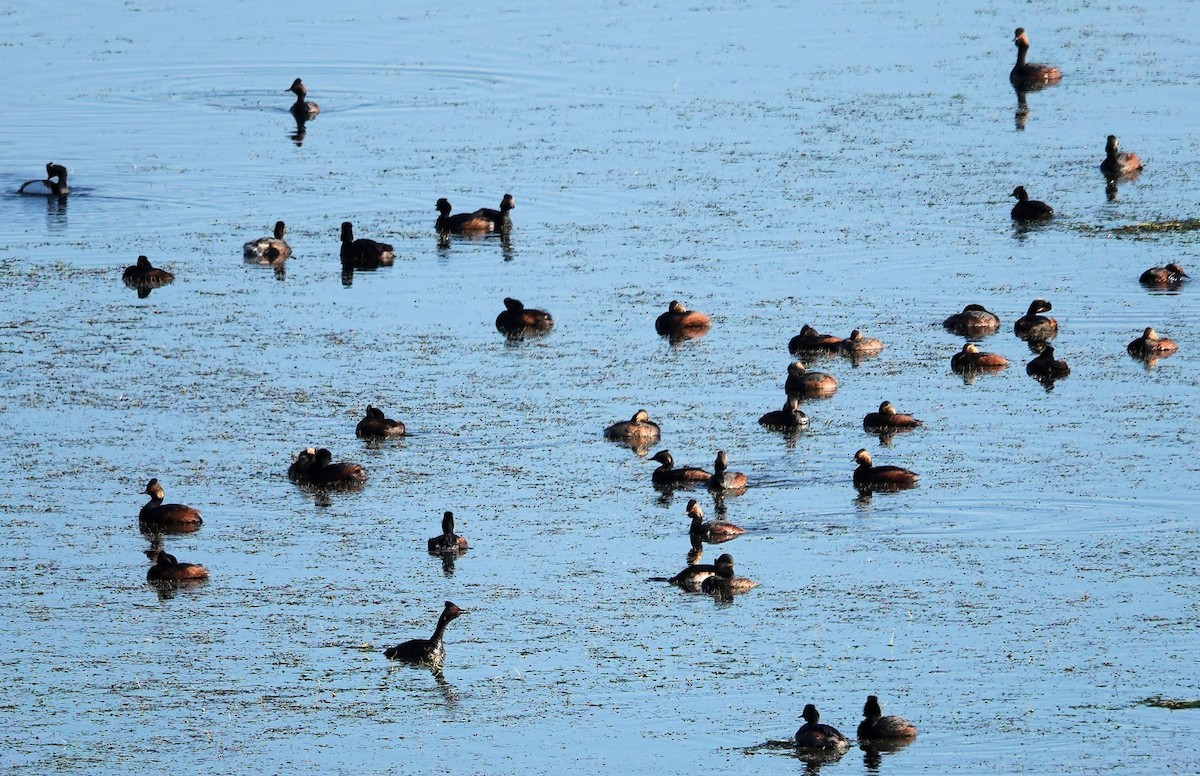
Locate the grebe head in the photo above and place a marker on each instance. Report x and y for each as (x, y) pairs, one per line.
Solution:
(862, 458)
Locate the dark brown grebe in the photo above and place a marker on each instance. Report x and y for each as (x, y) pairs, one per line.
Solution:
(681, 323)
(1118, 164)
(1035, 327)
(1028, 209)
(1168, 277)
(789, 418)
(712, 533)
(55, 184)
(813, 735)
(1151, 344)
(485, 220)
(516, 319)
(810, 341)
(667, 474)
(722, 478)
(858, 346)
(144, 275)
(869, 477)
(1030, 75)
(268, 249)
(375, 425)
(638, 430)
(447, 541)
(301, 109)
(972, 359)
(1046, 368)
(888, 419)
(363, 253)
(428, 652)
(805, 384)
(973, 321)
(167, 568)
(155, 512)
(316, 468)
(876, 727)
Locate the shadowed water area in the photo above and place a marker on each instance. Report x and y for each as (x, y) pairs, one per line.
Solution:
(1031, 606)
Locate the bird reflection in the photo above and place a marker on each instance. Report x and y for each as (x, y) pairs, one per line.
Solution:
(1022, 114)
(874, 751)
(301, 130)
(815, 760)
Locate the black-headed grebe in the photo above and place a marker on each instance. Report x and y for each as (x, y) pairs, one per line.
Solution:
(427, 652)
(722, 478)
(269, 249)
(317, 468)
(887, 418)
(1151, 343)
(54, 185)
(447, 540)
(156, 512)
(789, 418)
(302, 109)
(667, 474)
(167, 568)
(805, 384)
(813, 735)
(638, 430)
(856, 345)
(713, 533)
(877, 727)
(1030, 75)
(363, 253)
(485, 220)
(1168, 277)
(145, 275)
(375, 425)
(1045, 367)
(1028, 209)
(972, 359)
(810, 341)
(867, 476)
(680, 322)
(973, 321)
(516, 319)
(1035, 327)
(1118, 164)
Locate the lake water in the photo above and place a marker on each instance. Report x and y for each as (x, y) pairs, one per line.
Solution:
(772, 164)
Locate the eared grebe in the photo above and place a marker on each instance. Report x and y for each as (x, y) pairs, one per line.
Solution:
(1030, 75)
(810, 341)
(682, 323)
(269, 249)
(807, 384)
(1168, 277)
(813, 735)
(375, 426)
(1045, 367)
(972, 359)
(877, 727)
(485, 220)
(155, 512)
(1028, 209)
(973, 321)
(1118, 164)
(722, 479)
(516, 319)
(54, 185)
(638, 430)
(316, 468)
(428, 652)
(713, 533)
(166, 568)
(888, 419)
(363, 253)
(1035, 327)
(868, 477)
(301, 109)
(1151, 344)
(787, 419)
(667, 474)
(856, 345)
(724, 583)
(144, 275)
(447, 541)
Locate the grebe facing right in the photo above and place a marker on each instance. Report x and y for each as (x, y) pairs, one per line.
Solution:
(428, 652)
(877, 727)
(1030, 75)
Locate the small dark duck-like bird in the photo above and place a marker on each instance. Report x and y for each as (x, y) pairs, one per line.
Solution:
(973, 321)
(667, 474)
(789, 418)
(269, 249)
(1035, 327)
(972, 359)
(55, 184)
(375, 426)
(813, 735)
(639, 430)
(722, 479)
(427, 652)
(1168, 277)
(167, 568)
(144, 275)
(157, 513)
(869, 477)
(888, 418)
(712, 533)
(1030, 75)
(516, 319)
(447, 541)
(681, 323)
(485, 220)
(1028, 209)
(1045, 368)
(1151, 344)
(876, 727)
(363, 253)
(1118, 164)
(301, 109)
(809, 340)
